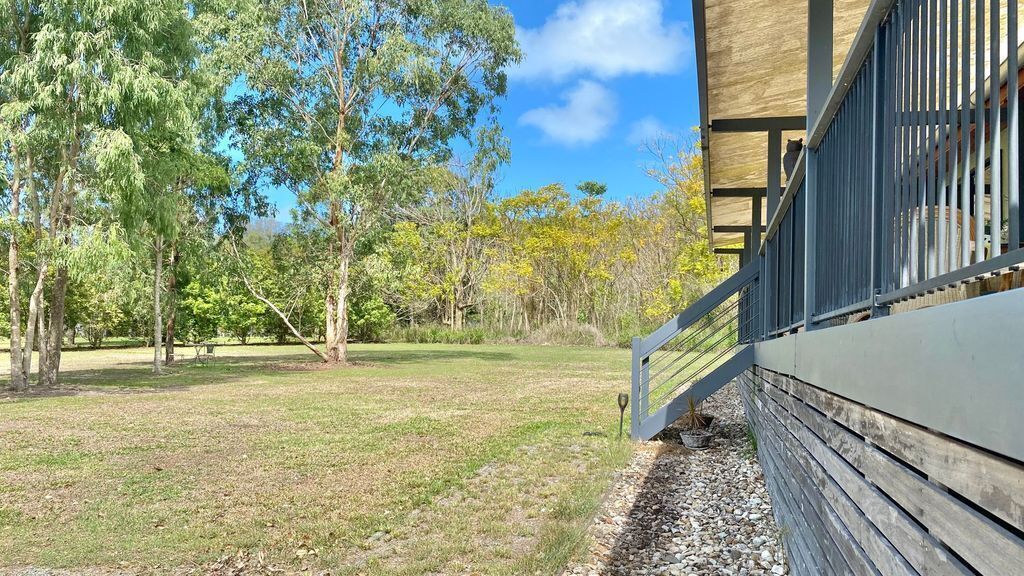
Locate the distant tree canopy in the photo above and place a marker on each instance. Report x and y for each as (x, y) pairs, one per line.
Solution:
(138, 140)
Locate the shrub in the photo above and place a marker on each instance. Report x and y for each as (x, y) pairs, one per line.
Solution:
(434, 334)
(370, 319)
(571, 334)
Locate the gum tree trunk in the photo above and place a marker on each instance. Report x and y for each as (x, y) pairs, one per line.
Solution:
(33, 328)
(157, 321)
(55, 334)
(172, 304)
(19, 380)
(337, 314)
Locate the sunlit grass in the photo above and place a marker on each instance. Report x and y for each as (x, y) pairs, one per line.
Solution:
(417, 458)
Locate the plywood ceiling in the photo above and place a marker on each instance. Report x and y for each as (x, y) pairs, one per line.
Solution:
(757, 68)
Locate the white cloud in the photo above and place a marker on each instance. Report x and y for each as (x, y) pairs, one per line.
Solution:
(606, 38)
(646, 129)
(589, 111)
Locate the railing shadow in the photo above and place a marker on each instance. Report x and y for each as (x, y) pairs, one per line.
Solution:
(656, 503)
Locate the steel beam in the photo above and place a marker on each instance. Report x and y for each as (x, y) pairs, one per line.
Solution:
(737, 192)
(725, 229)
(764, 124)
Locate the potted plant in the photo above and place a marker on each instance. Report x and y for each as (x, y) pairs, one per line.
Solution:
(695, 434)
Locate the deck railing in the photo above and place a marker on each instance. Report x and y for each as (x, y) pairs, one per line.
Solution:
(689, 357)
(916, 165)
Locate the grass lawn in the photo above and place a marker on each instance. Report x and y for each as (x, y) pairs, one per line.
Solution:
(417, 459)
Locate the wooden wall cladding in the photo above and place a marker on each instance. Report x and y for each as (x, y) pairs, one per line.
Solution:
(857, 491)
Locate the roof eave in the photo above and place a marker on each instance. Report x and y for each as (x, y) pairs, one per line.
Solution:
(700, 42)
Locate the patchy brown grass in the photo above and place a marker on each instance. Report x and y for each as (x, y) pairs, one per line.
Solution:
(415, 459)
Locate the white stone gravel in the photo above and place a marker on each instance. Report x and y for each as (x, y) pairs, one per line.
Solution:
(680, 512)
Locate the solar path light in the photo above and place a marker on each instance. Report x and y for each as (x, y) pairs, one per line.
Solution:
(623, 402)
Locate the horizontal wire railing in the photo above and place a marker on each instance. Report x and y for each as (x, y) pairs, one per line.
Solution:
(667, 364)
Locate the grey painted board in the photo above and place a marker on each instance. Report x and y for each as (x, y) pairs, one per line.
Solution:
(993, 483)
(938, 367)
(851, 557)
(986, 546)
(918, 547)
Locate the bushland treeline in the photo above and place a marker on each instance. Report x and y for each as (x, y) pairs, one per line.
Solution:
(139, 139)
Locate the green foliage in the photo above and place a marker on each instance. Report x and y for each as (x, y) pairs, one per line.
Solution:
(750, 450)
(113, 125)
(592, 188)
(96, 311)
(434, 334)
(354, 108)
(199, 313)
(370, 319)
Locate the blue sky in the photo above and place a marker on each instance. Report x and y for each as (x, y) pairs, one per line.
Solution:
(599, 77)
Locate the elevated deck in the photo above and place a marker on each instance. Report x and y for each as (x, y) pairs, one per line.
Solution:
(877, 313)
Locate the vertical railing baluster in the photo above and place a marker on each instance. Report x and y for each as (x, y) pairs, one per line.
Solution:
(965, 138)
(900, 270)
(877, 111)
(1012, 128)
(916, 146)
(889, 153)
(922, 137)
(995, 138)
(955, 135)
(941, 188)
(979, 130)
(930, 179)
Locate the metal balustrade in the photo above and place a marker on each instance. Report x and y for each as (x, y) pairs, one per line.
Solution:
(784, 252)
(901, 206)
(694, 354)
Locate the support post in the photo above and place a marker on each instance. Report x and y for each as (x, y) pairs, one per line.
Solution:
(878, 170)
(755, 328)
(773, 189)
(755, 226)
(634, 410)
(773, 192)
(819, 83)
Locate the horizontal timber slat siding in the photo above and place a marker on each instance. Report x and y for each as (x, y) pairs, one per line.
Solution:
(858, 491)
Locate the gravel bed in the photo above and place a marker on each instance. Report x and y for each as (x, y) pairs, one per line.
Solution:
(681, 512)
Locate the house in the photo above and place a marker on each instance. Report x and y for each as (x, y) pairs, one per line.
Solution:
(875, 328)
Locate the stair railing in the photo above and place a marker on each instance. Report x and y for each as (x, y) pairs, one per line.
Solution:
(677, 361)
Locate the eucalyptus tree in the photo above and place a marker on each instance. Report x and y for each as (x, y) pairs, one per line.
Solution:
(92, 93)
(348, 102)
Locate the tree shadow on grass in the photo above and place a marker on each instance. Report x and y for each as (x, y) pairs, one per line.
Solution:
(133, 375)
(386, 357)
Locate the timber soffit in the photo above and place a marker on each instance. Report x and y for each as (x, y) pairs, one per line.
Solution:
(751, 74)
